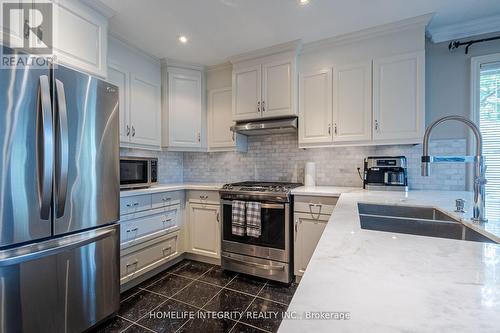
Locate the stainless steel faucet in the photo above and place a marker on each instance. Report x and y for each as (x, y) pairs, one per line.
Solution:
(478, 160)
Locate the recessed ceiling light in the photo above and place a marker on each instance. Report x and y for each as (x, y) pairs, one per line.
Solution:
(304, 2)
(183, 39)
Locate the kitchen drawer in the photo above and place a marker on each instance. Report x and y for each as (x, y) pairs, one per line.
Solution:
(160, 222)
(135, 204)
(141, 259)
(314, 205)
(165, 199)
(204, 197)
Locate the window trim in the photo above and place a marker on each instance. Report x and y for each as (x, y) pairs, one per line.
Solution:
(475, 71)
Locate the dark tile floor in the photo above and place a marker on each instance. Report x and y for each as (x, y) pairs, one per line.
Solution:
(185, 298)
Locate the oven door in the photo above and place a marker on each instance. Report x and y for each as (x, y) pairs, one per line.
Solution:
(134, 173)
(274, 241)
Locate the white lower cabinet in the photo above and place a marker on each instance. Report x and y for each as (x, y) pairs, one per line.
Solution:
(150, 232)
(311, 214)
(307, 232)
(204, 229)
(142, 258)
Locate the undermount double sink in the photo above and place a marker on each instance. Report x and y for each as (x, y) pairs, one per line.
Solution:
(422, 221)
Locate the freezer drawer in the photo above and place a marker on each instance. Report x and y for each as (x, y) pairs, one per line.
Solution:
(64, 285)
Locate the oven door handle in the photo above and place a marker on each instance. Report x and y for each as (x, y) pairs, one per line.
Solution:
(264, 205)
(255, 265)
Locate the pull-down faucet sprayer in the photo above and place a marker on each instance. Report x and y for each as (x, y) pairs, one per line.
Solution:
(478, 160)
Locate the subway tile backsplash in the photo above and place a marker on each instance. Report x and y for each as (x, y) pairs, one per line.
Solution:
(277, 158)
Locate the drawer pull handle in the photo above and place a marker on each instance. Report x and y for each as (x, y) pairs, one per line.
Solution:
(203, 197)
(315, 205)
(166, 199)
(136, 204)
(134, 229)
(135, 262)
(169, 248)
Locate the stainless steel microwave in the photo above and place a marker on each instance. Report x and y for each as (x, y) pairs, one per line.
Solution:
(138, 172)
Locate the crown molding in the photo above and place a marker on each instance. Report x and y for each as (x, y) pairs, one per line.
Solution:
(102, 8)
(132, 47)
(220, 67)
(377, 31)
(179, 64)
(464, 29)
(293, 46)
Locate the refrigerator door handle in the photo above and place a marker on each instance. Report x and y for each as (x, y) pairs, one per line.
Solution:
(62, 150)
(36, 251)
(45, 147)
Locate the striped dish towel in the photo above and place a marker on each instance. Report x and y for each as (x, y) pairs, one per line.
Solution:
(238, 218)
(253, 219)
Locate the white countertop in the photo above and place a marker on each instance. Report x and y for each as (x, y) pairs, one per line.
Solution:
(323, 191)
(392, 282)
(171, 187)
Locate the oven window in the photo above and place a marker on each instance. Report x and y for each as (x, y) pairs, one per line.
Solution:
(133, 172)
(272, 228)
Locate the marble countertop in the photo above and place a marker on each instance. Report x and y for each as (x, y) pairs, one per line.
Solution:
(171, 187)
(391, 282)
(323, 191)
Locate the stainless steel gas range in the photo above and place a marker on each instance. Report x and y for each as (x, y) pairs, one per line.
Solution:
(269, 255)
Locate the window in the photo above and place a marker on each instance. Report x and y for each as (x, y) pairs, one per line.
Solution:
(486, 99)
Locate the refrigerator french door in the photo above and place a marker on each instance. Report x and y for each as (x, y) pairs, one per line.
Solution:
(59, 200)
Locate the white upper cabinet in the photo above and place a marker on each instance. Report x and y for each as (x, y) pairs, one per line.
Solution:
(80, 37)
(277, 90)
(247, 93)
(120, 78)
(398, 98)
(315, 109)
(145, 103)
(352, 102)
(265, 83)
(185, 108)
(138, 78)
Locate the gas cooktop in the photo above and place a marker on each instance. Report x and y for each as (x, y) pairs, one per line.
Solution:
(276, 191)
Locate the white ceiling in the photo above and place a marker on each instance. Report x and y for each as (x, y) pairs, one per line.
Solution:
(218, 29)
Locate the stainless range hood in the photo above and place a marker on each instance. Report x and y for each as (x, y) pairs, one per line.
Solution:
(263, 127)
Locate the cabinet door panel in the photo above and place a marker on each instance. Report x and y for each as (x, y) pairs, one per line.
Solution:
(219, 118)
(204, 229)
(185, 107)
(277, 89)
(80, 37)
(398, 97)
(352, 102)
(247, 93)
(119, 77)
(315, 110)
(145, 113)
(308, 233)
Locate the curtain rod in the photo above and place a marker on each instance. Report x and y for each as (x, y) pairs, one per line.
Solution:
(456, 43)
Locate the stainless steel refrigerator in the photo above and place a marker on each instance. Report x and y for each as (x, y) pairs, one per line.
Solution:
(59, 200)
